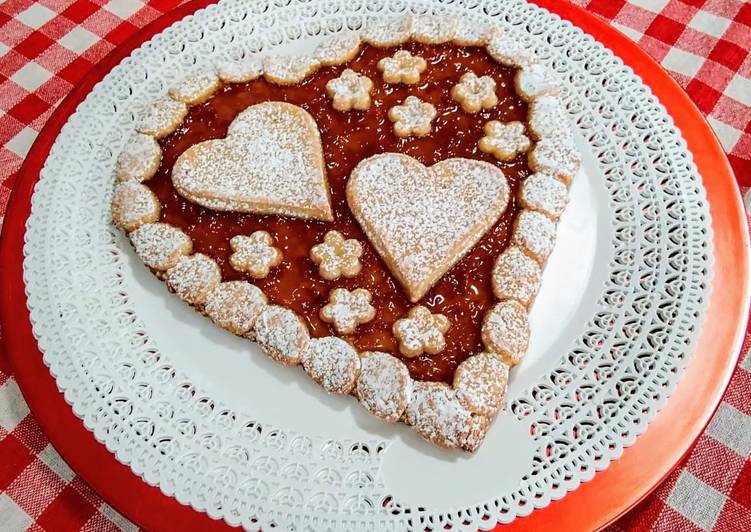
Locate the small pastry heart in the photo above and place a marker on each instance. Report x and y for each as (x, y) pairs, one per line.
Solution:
(423, 220)
(270, 162)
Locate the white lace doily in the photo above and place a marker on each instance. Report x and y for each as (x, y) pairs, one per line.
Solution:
(211, 422)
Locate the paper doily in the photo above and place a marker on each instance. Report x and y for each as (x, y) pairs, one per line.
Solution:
(577, 409)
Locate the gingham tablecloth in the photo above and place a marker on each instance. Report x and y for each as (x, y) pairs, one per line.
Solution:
(46, 47)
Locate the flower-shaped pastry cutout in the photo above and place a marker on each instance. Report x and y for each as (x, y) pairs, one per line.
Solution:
(350, 91)
(254, 254)
(504, 141)
(402, 67)
(412, 118)
(475, 93)
(337, 257)
(421, 332)
(346, 310)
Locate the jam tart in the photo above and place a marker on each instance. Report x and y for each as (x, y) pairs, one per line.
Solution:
(379, 212)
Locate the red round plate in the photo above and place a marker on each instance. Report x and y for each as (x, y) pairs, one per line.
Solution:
(594, 504)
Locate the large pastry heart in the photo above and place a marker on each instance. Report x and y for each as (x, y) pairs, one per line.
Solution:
(423, 220)
(271, 162)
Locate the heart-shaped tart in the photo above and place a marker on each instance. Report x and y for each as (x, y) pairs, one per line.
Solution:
(423, 220)
(379, 212)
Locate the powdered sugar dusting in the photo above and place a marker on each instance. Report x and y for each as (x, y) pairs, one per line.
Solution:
(536, 80)
(469, 32)
(516, 276)
(139, 159)
(414, 117)
(384, 386)
(337, 50)
(384, 33)
(244, 70)
(337, 256)
(160, 245)
(556, 156)
(436, 413)
(423, 220)
(434, 29)
(505, 331)
(349, 91)
(288, 70)
(195, 88)
(332, 363)
(547, 118)
(402, 67)
(282, 334)
(421, 332)
(504, 140)
(544, 193)
(480, 383)
(235, 305)
(475, 93)
(193, 277)
(161, 117)
(271, 162)
(254, 254)
(133, 205)
(348, 309)
(535, 232)
(509, 51)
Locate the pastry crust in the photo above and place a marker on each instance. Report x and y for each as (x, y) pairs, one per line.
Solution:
(402, 67)
(242, 71)
(413, 118)
(556, 156)
(282, 334)
(349, 91)
(389, 32)
(139, 159)
(254, 254)
(288, 70)
(235, 306)
(516, 276)
(193, 278)
(332, 363)
(434, 29)
(337, 257)
(196, 88)
(535, 233)
(544, 193)
(384, 386)
(161, 118)
(133, 205)
(536, 80)
(438, 416)
(480, 383)
(338, 50)
(475, 93)
(504, 140)
(160, 245)
(347, 309)
(505, 331)
(421, 332)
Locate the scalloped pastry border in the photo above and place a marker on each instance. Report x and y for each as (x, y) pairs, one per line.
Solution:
(449, 416)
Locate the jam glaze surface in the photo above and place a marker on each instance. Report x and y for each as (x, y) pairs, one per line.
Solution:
(463, 294)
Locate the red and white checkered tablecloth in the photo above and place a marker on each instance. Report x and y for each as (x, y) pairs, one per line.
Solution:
(47, 46)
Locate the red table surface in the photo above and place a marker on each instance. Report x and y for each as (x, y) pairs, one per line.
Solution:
(46, 47)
